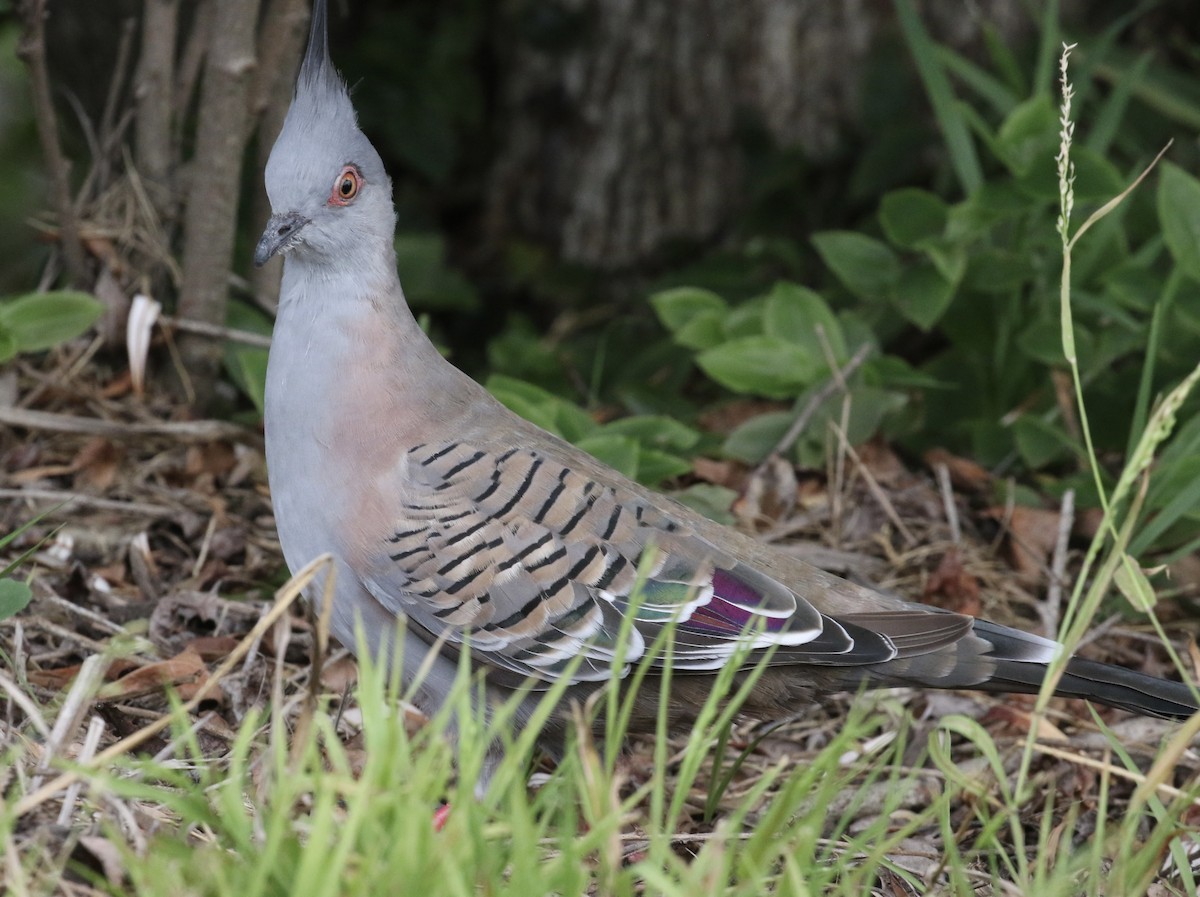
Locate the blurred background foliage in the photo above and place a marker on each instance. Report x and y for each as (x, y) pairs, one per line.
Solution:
(916, 217)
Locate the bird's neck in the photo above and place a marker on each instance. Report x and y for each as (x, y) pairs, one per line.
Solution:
(345, 338)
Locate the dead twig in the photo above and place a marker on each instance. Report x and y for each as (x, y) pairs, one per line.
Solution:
(74, 500)
(1051, 608)
(184, 430)
(836, 382)
(32, 51)
(203, 328)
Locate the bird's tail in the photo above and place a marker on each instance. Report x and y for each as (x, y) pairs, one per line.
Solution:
(996, 658)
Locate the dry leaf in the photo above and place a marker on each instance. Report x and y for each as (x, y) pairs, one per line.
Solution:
(96, 464)
(882, 462)
(1022, 720)
(950, 586)
(769, 494)
(185, 672)
(109, 859)
(339, 675)
(1032, 535)
(212, 648)
(964, 473)
(729, 474)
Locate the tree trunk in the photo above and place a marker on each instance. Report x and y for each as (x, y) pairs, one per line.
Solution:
(619, 117)
(215, 188)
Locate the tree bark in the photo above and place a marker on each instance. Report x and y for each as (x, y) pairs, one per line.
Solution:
(621, 137)
(154, 93)
(285, 30)
(210, 220)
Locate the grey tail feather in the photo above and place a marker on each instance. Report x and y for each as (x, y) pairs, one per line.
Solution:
(316, 64)
(1100, 682)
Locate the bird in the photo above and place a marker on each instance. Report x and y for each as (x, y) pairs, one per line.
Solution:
(447, 513)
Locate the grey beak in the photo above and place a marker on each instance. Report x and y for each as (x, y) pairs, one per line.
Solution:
(281, 234)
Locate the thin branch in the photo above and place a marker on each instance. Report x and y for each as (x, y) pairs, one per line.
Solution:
(184, 430)
(32, 51)
(246, 338)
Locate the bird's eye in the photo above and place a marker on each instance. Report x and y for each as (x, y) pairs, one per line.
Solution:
(345, 188)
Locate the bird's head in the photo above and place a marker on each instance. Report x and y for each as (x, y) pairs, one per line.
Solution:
(330, 197)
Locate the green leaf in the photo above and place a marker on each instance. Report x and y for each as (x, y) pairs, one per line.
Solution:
(544, 408)
(895, 372)
(909, 216)
(710, 500)
(757, 437)
(994, 270)
(867, 267)
(1040, 442)
(793, 312)
(429, 284)
(14, 597)
(39, 321)
(1135, 585)
(868, 408)
(678, 306)
(761, 365)
(923, 294)
(1179, 214)
(705, 330)
(8, 344)
(619, 452)
(1029, 136)
(654, 466)
(746, 319)
(247, 365)
(654, 430)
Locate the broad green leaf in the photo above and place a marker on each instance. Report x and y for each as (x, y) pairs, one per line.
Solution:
(14, 597)
(8, 344)
(619, 452)
(894, 372)
(654, 466)
(544, 408)
(702, 331)
(1040, 442)
(867, 267)
(247, 365)
(655, 430)
(793, 312)
(757, 437)
(746, 319)
(39, 321)
(1179, 215)
(429, 284)
(760, 365)
(909, 216)
(710, 500)
(1029, 136)
(948, 256)
(922, 295)
(868, 408)
(676, 307)
(1096, 178)
(994, 270)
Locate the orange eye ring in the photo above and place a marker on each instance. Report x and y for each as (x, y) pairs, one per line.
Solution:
(345, 186)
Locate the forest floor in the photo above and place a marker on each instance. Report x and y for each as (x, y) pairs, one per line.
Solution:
(157, 555)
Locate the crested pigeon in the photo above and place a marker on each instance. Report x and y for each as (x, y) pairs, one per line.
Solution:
(441, 507)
